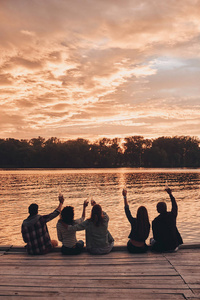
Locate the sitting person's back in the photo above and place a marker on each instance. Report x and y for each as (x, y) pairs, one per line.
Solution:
(35, 232)
(165, 233)
(140, 228)
(98, 237)
(70, 245)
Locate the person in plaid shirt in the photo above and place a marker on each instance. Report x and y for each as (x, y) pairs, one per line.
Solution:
(35, 232)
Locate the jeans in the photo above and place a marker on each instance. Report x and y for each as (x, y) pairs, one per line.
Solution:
(77, 249)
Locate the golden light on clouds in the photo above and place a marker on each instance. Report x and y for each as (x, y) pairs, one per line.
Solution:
(99, 68)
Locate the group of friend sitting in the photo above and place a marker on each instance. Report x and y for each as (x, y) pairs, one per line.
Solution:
(98, 238)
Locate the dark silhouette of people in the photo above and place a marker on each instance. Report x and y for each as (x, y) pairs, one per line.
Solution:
(140, 228)
(35, 232)
(166, 236)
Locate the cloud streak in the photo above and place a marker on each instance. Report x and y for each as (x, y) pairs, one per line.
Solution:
(109, 68)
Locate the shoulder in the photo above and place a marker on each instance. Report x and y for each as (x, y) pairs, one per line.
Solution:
(59, 223)
(105, 216)
(78, 221)
(156, 219)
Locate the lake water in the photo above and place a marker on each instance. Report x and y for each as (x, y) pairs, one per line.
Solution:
(20, 188)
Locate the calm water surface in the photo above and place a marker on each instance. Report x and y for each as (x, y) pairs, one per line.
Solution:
(20, 188)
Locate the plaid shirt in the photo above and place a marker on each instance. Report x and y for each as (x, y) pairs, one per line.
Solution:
(35, 233)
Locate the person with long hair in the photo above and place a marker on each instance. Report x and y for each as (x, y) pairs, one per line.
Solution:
(70, 245)
(98, 238)
(140, 228)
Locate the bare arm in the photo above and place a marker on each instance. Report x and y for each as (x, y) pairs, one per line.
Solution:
(85, 204)
(61, 201)
(56, 212)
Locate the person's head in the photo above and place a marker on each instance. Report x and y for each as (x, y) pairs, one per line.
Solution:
(97, 215)
(161, 207)
(143, 225)
(33, 209)
(67, 215)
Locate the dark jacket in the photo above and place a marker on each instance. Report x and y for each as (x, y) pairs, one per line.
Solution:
(165, 232)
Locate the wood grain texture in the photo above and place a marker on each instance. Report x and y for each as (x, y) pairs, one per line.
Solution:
(118, 275)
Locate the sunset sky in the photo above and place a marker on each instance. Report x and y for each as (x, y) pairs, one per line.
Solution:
(99, 68)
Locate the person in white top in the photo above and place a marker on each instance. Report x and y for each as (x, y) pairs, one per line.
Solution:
(70, 245)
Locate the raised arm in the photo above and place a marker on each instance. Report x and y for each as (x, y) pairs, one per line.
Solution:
(61, 201)
(126, 207)
(56, 212)
(124, 193)
(174, 209)
(85, 204)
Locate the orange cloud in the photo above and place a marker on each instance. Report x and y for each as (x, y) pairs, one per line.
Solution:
(108, 68)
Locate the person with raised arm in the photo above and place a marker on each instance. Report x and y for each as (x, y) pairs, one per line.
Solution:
(70, 245)
(140, 227)
(35, 232)
(166, 236)
(98, 238)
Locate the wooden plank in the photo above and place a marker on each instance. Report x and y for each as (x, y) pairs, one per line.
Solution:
(89, 270)
(68, 262)
(113, 276)
(196, 291)
(195, 286)
(188, 270)
(105, 282)
(104, 296)
(183, 253)
(185, 263)
(190, 246)
(84, 293)
(191, 279)
(5, 247)
(85, 256)
(109, 256)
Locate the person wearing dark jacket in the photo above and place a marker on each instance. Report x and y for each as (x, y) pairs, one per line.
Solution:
(166, 236)
(140, 227)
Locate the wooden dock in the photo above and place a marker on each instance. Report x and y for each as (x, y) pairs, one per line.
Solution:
(118, 275)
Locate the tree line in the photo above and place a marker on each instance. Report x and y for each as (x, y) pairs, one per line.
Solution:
(134, 151)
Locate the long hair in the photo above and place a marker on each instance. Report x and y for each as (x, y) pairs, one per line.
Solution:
(143, 225)
(67, 215)
(97, 215)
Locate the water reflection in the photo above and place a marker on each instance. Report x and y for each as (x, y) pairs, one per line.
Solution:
(20, 188)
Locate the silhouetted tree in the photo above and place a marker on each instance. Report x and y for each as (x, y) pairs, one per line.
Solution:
(183, 151)
(135, 148)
